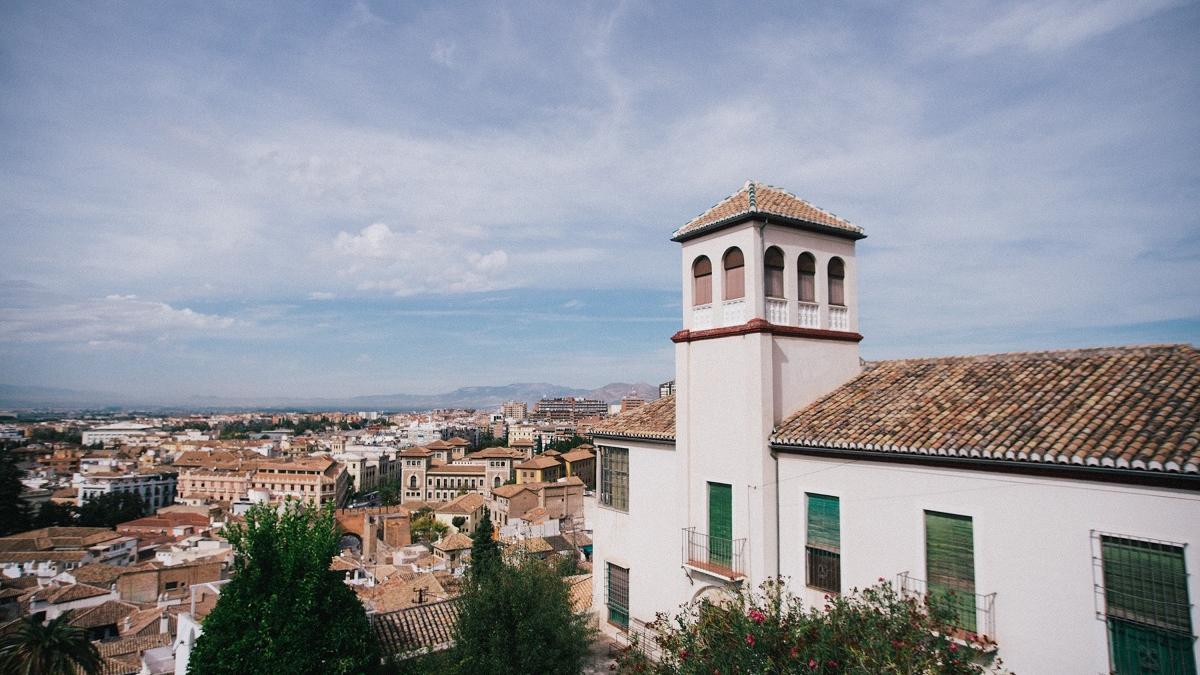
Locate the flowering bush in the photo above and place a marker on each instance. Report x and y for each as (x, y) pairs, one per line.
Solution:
(875, 630)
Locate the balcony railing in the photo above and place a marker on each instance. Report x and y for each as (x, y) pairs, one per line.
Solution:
(810, 315)
(823, 569)
(973, 612)
(733, 312)
(702, 317)
(640, 636)
(839, 318)
(725, 558)
(777, 311)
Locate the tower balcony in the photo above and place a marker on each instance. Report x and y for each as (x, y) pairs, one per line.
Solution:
(716, 556)
(702, 317)
(839, 318)
(777, 311)
(809, 314)
(733, 312)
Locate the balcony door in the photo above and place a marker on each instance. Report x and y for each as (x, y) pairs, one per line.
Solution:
(720, 524)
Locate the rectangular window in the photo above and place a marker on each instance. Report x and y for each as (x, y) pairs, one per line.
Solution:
(950, 564)
(837, 291)
(1146, 606)
(614, 478)
(774, 282)
(823, 554)
(808, 287)
(617, 594)
(703, 290)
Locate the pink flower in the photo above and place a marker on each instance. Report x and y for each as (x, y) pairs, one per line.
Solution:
(881, 580)
(683, 654)
(749, 639)
(757, 616)
(794, 652)
(953, 647)
(812, 664)
(831, 663)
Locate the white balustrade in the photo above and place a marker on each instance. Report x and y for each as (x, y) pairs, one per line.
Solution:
(777, 311)
(810, 315)
(839, 318)
(733, 312)
(702, 317)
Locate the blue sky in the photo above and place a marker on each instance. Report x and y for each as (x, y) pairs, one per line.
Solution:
(254, 199)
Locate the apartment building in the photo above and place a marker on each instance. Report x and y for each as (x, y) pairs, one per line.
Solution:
(318, 480)
(568, 409)
(156, 487)
(1056, 495)
(515, 411)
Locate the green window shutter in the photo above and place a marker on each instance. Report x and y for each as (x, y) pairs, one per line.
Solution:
(720, 523)
(1146, 601)
(824, 528)
(950, 564)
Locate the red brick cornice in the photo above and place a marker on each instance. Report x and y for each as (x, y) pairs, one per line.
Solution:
(762, 326)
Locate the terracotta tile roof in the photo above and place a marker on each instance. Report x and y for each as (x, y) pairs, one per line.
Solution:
(1122, 407)
(494, 453)
(429, 626)
(580, 589)
(399, 592)
(468, 503)
(539, 462)
(653, 420)
(415, 452)
(98, 574)
(577, 455)
(510, 491)
(458, 442)
(453, 542)
(110, 612)
(760, 199)
(69, 593)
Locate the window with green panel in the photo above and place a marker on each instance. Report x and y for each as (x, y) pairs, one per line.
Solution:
(617, 594)
(823, 547)
(950, 564)
(1146, 606)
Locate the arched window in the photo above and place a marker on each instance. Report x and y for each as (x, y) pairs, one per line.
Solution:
(702, 281)
(412, 481)
(735, 274)
(497, 482)
(808, 277)
(773, 277)
(837, 282)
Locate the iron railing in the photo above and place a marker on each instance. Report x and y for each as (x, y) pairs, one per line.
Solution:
(973, 612)
(823, 569)
(716, 555)
(640, 636)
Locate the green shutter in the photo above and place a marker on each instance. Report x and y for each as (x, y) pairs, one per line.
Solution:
(824, 530)
(950, 564)
(1146, 600)
(720, 523)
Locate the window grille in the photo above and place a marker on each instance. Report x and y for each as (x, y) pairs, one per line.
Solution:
(614, 477)
(616, 594)
(823, 564)
(1141, 593)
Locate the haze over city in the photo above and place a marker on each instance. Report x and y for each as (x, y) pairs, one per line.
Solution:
(349, 199)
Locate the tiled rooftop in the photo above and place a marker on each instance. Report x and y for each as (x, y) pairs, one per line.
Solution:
(429, 626)
(655, 420)
(1120, 407)
(756, 198)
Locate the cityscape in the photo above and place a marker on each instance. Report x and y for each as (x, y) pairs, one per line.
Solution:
(270, 266)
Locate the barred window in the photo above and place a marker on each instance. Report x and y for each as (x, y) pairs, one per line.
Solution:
(614, 477)
(1146, 605)
(823, 558)
(617, 594)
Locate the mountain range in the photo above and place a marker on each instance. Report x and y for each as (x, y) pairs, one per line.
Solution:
(31, 397)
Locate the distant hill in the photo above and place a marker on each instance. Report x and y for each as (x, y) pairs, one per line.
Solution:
(26, 397)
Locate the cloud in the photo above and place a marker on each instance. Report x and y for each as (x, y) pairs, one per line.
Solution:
(443, 53)
(321, 295)
(115, 320)
(573, 303)
(421, 260)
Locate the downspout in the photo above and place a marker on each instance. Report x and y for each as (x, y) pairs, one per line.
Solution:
(775, 456)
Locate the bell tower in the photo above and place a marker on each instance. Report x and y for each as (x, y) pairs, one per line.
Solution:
(770, 324)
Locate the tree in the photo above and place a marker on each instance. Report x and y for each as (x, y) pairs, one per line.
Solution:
(875, 630)
(458, 522)
(284, 610)
(518, 619)
(389, 493)
(53, 514)
(54, 648)
(111, 508)
(14, 514)
(428, 528)
(485, 550)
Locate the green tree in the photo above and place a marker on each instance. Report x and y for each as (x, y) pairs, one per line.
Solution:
(285, 611)
(390, 493)
(458, 522)
(110, 509)
(427, 528)
(875, 630)
(485, 550)
(55, 648)
(518, 619)
(14, 514)
(52, 514)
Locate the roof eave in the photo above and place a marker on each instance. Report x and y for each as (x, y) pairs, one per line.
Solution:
(663, 439)
(1168, 479)
(773, 218)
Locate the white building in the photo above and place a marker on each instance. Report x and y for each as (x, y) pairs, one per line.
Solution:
(155, 487)
(1057, 493)
(124, 432)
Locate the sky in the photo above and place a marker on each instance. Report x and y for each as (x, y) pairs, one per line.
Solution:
(334, 199)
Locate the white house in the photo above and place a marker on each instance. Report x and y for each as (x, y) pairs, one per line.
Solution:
(1057, 494)
(125, 432)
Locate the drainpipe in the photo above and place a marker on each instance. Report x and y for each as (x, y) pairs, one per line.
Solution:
(775, 456)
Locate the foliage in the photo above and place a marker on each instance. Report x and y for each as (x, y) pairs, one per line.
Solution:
(485, 550)
(487, 440)
(870, 631)
(427, 528)
(390, 492)
(55, 648)
(111, 508)
(567, 565)
(52, 514)
(51, 435)
(284, 610)
(566, 444)
(458, 522)
(518, 619)
(14, 514)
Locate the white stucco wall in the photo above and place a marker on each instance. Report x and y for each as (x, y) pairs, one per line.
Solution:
(648, 538)
(1033, 543)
